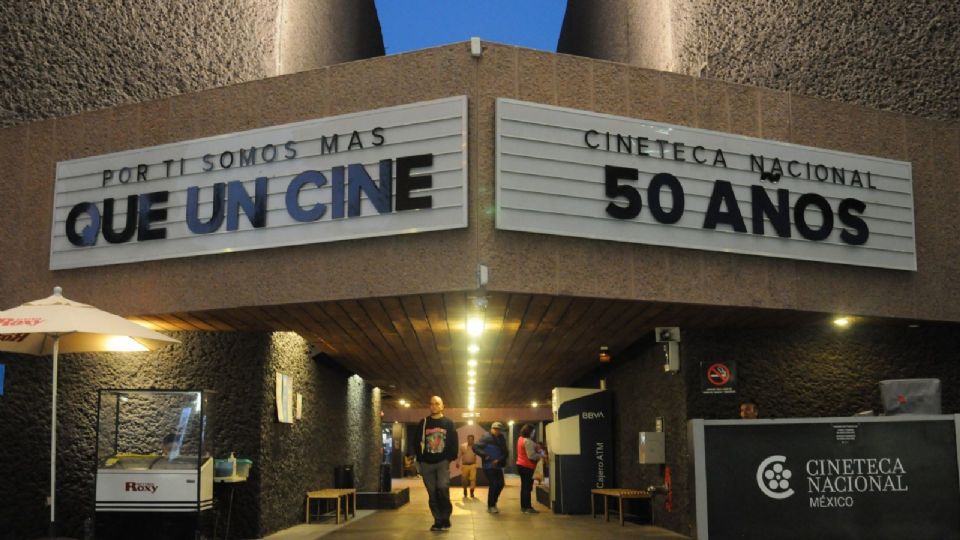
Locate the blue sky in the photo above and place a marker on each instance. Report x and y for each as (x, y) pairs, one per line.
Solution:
(418, 24)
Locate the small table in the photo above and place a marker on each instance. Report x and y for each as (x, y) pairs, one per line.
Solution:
(620, 494)
(231, 481)
(335, 494)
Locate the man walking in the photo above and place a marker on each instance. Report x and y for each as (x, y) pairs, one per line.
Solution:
(467, 461)
(493, 449)
(438, 447)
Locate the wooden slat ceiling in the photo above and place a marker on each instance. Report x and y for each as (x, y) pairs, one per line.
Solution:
(415, 346)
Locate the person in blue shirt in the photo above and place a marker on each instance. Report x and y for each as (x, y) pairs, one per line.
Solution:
(492, 449)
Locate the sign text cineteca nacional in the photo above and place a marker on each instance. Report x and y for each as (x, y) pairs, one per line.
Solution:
(577, 173)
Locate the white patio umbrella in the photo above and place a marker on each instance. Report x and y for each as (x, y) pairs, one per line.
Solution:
(54, 325)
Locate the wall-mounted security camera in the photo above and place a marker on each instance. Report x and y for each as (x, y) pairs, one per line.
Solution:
(667, 333)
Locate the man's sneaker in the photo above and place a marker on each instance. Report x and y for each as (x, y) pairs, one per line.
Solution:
(445, 525)
(436, 526)
(493, 510)
(529, 511)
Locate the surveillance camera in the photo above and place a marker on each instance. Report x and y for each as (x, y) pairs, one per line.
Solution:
(667, 333)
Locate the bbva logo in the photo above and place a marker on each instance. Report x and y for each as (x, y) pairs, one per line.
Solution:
(773, 478)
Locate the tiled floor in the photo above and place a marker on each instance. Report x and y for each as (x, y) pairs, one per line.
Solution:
(471, 520)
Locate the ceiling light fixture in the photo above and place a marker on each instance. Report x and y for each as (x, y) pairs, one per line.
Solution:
(473, 348)
(475, 325)
(534, 404)
(842, 322)
(472, 363)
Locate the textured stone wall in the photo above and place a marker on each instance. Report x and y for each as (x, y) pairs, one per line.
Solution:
(340, 426)
(642, 392)
(239, 368)
(803, 372)
(820, 371)
(898, 56)
(63, 57)
(224, 363)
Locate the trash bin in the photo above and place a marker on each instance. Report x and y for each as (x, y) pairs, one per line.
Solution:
(386, 481)
(343, 477)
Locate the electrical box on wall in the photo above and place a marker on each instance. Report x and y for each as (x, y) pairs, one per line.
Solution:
(652, 448)
(671, 356)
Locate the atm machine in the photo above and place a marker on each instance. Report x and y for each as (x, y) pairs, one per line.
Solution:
(580, 442)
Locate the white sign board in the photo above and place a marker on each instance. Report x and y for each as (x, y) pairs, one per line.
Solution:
(576, 173)
(390, 171)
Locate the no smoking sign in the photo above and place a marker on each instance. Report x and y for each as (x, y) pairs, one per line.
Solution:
(718, 377)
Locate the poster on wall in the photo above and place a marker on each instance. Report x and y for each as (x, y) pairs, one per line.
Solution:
(284, 392)
(718, 377)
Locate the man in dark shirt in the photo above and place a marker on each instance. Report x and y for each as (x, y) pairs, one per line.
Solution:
(492, 448)
(438, 447)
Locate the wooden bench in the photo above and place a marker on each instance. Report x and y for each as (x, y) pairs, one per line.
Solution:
(620, 494)
(335, 494)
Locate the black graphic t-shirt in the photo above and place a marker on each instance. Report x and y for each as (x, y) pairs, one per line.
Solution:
(439, 440)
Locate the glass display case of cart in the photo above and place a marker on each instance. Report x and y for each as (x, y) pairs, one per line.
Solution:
(153, 452)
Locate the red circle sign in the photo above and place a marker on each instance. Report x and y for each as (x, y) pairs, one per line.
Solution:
(718, 374)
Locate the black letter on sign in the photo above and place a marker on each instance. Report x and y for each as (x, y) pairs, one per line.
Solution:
(653, 195)
(148, 215)
(854, 222)
(216, 212)
(799, 217)
(763, 206)
(255, 209)
(88, 236)
(723, 194)
(614, 190)
(407, 183)
(127, 233)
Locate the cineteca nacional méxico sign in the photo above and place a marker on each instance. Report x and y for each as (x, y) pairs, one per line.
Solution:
(576, 173)
(390, 171)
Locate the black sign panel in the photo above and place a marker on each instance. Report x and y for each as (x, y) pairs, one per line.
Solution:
(594, 467)
(833, 479)
(719, 377)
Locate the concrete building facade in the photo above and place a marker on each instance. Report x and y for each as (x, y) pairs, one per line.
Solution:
(390, 308)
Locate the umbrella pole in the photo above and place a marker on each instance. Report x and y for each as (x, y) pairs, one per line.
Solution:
(53, 445)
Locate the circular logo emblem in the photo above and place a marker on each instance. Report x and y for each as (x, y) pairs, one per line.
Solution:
(773, 478)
